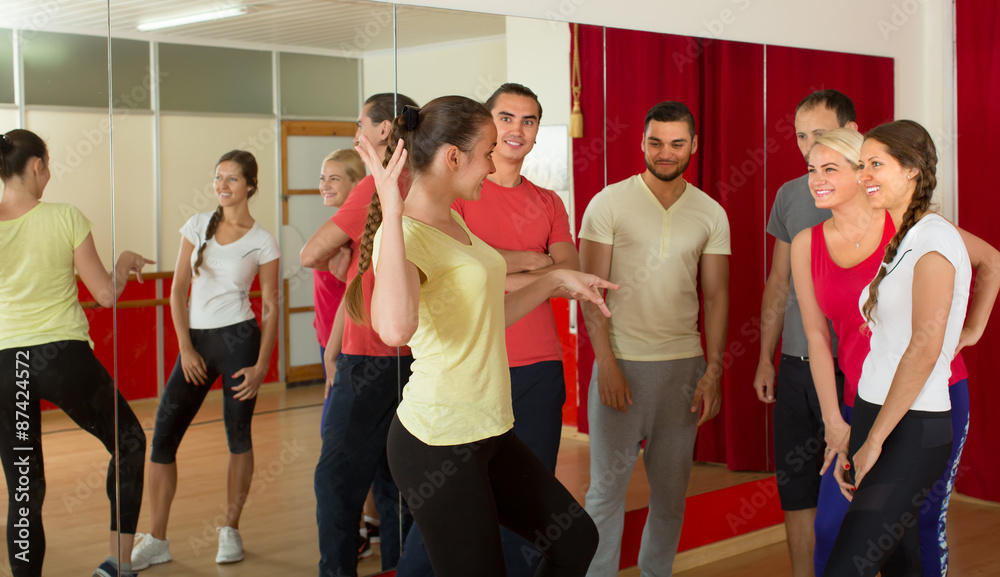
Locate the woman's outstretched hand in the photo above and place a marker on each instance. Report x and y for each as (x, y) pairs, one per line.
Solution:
(583, 287)
(130, 262)
(386, 177)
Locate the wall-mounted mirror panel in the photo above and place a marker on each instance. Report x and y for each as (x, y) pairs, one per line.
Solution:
(287, 86)
(283, 84)
(54, 82)
(730, 165)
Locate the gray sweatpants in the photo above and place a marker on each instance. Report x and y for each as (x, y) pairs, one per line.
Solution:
(661, 415)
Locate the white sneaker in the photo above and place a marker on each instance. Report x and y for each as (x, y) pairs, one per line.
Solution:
(230, 546)
(149, 551)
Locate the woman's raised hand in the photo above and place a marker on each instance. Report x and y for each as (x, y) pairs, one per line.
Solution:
(583, 287)
(386, 177)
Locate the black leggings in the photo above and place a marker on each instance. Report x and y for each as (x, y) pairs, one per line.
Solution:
(880, 530)
(225, 350)
(459, 495)
(67, 374)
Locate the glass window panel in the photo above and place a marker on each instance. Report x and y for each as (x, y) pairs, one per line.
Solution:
(314, 85)
(130, 81)
(305, 155)
(6, 66)
(66, 69)
(210, 79)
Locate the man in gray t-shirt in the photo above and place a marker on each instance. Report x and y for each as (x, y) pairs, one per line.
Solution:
(798, 421)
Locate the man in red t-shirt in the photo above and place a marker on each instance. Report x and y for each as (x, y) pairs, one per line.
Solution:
(365, 392)
(529, 226)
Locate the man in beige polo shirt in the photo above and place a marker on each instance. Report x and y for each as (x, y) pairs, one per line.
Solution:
(652, 234)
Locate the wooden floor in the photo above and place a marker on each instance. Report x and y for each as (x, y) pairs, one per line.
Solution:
(279, 527)
(973, 530)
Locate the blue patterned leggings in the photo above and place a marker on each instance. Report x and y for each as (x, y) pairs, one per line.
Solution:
(933, 544)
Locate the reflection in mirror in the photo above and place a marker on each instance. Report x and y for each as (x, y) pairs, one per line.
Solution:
(56, 339)
(286, 86)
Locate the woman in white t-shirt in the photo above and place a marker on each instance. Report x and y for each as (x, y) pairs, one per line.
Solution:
(915, 308)
(221, 252)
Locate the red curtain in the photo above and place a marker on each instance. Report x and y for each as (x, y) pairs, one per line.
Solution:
(588, 175)
(978, 49)
(794, 73)
(720, 82)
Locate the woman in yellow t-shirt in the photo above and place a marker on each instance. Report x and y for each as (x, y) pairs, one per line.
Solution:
(440, 290)
(46, 353)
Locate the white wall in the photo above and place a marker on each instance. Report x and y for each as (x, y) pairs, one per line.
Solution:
(190, 146)
(472, 68)
(8, 118)
(80, 160)
(134, 185)
(538, 57)
(917, 33)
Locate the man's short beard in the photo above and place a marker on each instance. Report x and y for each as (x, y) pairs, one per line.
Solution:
(667, 177)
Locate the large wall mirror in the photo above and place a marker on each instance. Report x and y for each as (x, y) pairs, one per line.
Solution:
(286, 83)
(54, 81)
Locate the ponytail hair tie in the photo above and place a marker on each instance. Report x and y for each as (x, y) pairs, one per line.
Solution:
(5, 145)
(411, 117)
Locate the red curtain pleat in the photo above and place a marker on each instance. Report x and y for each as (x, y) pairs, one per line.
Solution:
(588, 177)
(978, 51)
(733, 154)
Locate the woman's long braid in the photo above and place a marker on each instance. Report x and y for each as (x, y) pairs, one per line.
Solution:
(213, 224)
(919, 205)
(354, 297)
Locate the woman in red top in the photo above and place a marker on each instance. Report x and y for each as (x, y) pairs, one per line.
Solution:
(831, 264)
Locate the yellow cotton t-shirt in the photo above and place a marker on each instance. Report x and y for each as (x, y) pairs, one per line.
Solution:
(655, 257)
(37, 281)
(459, 391)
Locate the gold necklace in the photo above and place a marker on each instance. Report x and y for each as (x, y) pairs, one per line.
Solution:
(857, 245)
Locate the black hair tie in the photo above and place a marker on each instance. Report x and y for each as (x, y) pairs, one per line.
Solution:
(411, 117)
(5, 145)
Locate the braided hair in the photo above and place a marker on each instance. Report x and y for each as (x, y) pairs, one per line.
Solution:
(910, 145)
(248, 166)
(17, 147)
(448, 120)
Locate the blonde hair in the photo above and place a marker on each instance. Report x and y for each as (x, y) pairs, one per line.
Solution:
(353, 165)
(846, 141)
